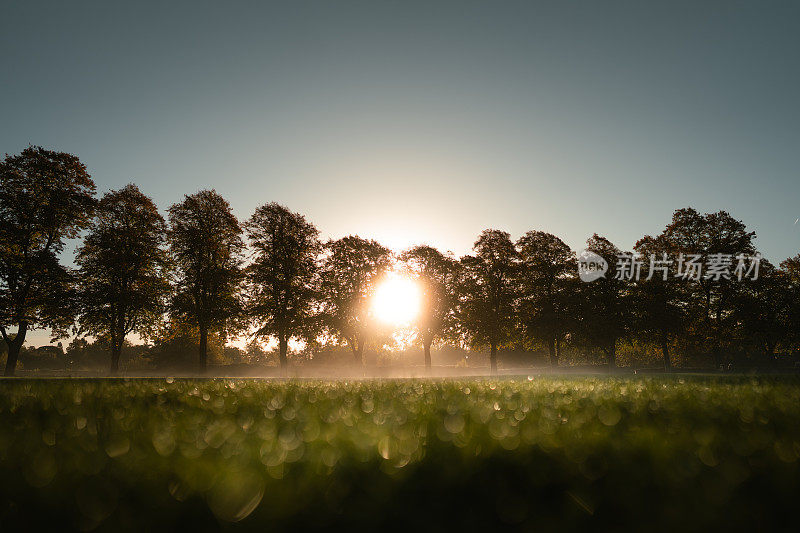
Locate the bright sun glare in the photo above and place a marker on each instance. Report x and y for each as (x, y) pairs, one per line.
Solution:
(396, 300)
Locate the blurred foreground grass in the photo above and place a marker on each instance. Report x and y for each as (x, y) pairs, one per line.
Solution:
(608, 453)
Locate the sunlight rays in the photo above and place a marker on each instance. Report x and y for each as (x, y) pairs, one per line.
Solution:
(396, 300)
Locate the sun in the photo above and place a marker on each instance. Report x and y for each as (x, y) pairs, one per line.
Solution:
(396, 300)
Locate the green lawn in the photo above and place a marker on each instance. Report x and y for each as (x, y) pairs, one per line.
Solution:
(530, 453)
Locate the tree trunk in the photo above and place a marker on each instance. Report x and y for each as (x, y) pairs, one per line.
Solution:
(612, 356)
(551, 345)
(665, 353)
(769, 353)
(715, 356)
(427, 348)
(283, 347)
(116, 350)
(14, 347)
(358, 352)
(203, 352)
(117, 339)
(354, 349)
(493, 358)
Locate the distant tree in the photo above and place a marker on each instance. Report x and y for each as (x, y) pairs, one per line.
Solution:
(206, 247)
(791, 267)
(122, 275)
(81, 353)
(47, 357)
(282, 276)
(709, 305)
(84, 355)
(348, 276)
(437, 276)
(602, 306)
(45, 198)
(487, 292)
(255, 353)
(763, 309)
(546, 279)
(175, 345)
(657, 298)
(233, 355)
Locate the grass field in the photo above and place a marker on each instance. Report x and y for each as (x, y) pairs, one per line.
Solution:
(609, 453)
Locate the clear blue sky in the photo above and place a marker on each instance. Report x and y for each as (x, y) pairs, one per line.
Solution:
(425, 121)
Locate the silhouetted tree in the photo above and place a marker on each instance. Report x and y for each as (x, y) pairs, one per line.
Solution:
(546, 277)
(349, 272)
(45, 198)
(710, 302)
(763, 309)
(791, 267)
(282, 275)
(255, 354)
(601, 306)
(487, 292)
(206, 247)
(175, 345)
(122, 272)
(437, 276)
(658, 297)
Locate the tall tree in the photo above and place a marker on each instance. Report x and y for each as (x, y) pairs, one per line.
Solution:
(601, 310)
(437, 275)
(206, 247)
(487, 292)
(546, 276)
(710, 303)
(791, 267)
(658, 296)
(45, 198)
(763, 309)
(122, 273)
(283, 273)
(349, 273)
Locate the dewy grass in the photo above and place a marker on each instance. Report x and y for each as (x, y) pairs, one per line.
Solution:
(565, 453)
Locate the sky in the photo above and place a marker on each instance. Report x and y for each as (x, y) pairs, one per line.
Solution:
(424, 122)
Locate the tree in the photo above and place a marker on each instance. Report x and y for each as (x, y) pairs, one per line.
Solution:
(763, 309)
(658, 296)
(282, 275)
(122, 272)
(487, 293)
(710, 302)
(546, 276)
(791, 267)
(349, 273)
(601, 310)
(46, 197)
(255, 354)
(206, 247)
(436, 274)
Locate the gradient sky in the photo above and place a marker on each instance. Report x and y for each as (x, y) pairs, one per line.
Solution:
(424, 121)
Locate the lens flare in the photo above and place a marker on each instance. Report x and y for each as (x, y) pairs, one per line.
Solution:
(396, 300)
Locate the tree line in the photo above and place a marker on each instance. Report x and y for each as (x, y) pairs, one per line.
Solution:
(204, 273)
